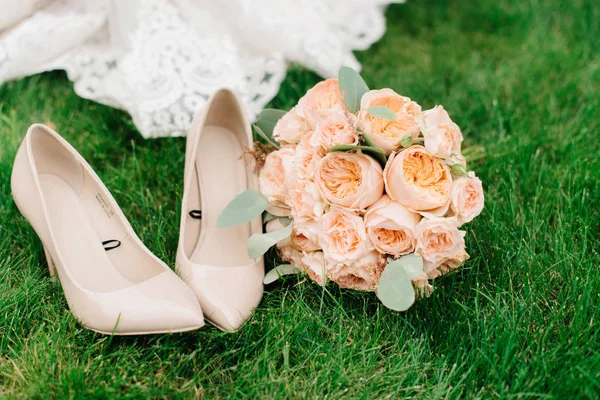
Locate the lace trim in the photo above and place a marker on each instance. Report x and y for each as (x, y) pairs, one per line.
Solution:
(161, 62)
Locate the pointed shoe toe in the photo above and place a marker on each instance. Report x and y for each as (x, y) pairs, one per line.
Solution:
(228, 295)
(214, 261)
(161, 304)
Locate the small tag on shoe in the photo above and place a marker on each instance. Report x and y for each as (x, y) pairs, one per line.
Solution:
(196, 214)
(111, 244)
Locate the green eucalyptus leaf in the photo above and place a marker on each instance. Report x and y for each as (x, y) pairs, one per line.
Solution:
(285, 221)
(267, 119)
(351, 147)
(395, 289)
(267, 217)
(259, 243)
(382, 112)
(379, 156)
(264, 136)
(373, 151)
(278, 272)
(244, 208)
(352, 87)
(368, 140)
(412, 263)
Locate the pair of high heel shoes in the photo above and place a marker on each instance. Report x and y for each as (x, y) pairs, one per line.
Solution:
(112, 282)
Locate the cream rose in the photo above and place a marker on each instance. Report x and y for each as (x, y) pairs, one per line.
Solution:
(438, 238)
(419, 181)
(447, 264)
(306, 162)
(315, 265)
(467, 198)
(442, 136)
(335, 129)
(342, 236)
(391, 227)
(277, 178)
(305, 201)
(385, 133)
(350, 180)
(362, 274)
(290, 128)
(305, 143)
(320, 100)
(305, 235)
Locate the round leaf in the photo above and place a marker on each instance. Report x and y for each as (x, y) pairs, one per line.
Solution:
(268, 217)
(375, 152)
(395, 289)
(244, 208)
(352, 87)
(351, 147)
(278, 272)
(413, 265)
(258, 244)
(382, 112)
(266, 138)
(267, 119)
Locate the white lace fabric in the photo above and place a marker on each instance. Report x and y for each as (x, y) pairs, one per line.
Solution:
(161, 59)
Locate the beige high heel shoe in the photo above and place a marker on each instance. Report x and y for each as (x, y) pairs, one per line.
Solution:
(112, 282)
(214, 261)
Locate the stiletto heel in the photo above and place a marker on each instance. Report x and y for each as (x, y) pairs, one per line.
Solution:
(50, 263)
(106, 272)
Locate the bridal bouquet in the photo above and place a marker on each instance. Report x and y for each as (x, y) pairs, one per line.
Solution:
(361, 188)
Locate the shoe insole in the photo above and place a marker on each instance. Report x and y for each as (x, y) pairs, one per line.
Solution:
(221, 176)
(79, 238)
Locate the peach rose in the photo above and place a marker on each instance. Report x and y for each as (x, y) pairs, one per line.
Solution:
(342, 236)
(305, 143)
(385, 133)
(391, 227)
(442, 136)
(419, 181)
(335, 129)
(447, 264)
(321, 99)
(350, 180)
(305, 235)
(467, 198)
(362, 274)
(290, 128)
(314, 264)
(277, 178)
(438, 238)
(306, 162)
(305, 201)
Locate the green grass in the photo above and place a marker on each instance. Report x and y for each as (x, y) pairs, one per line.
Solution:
(520, 320)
